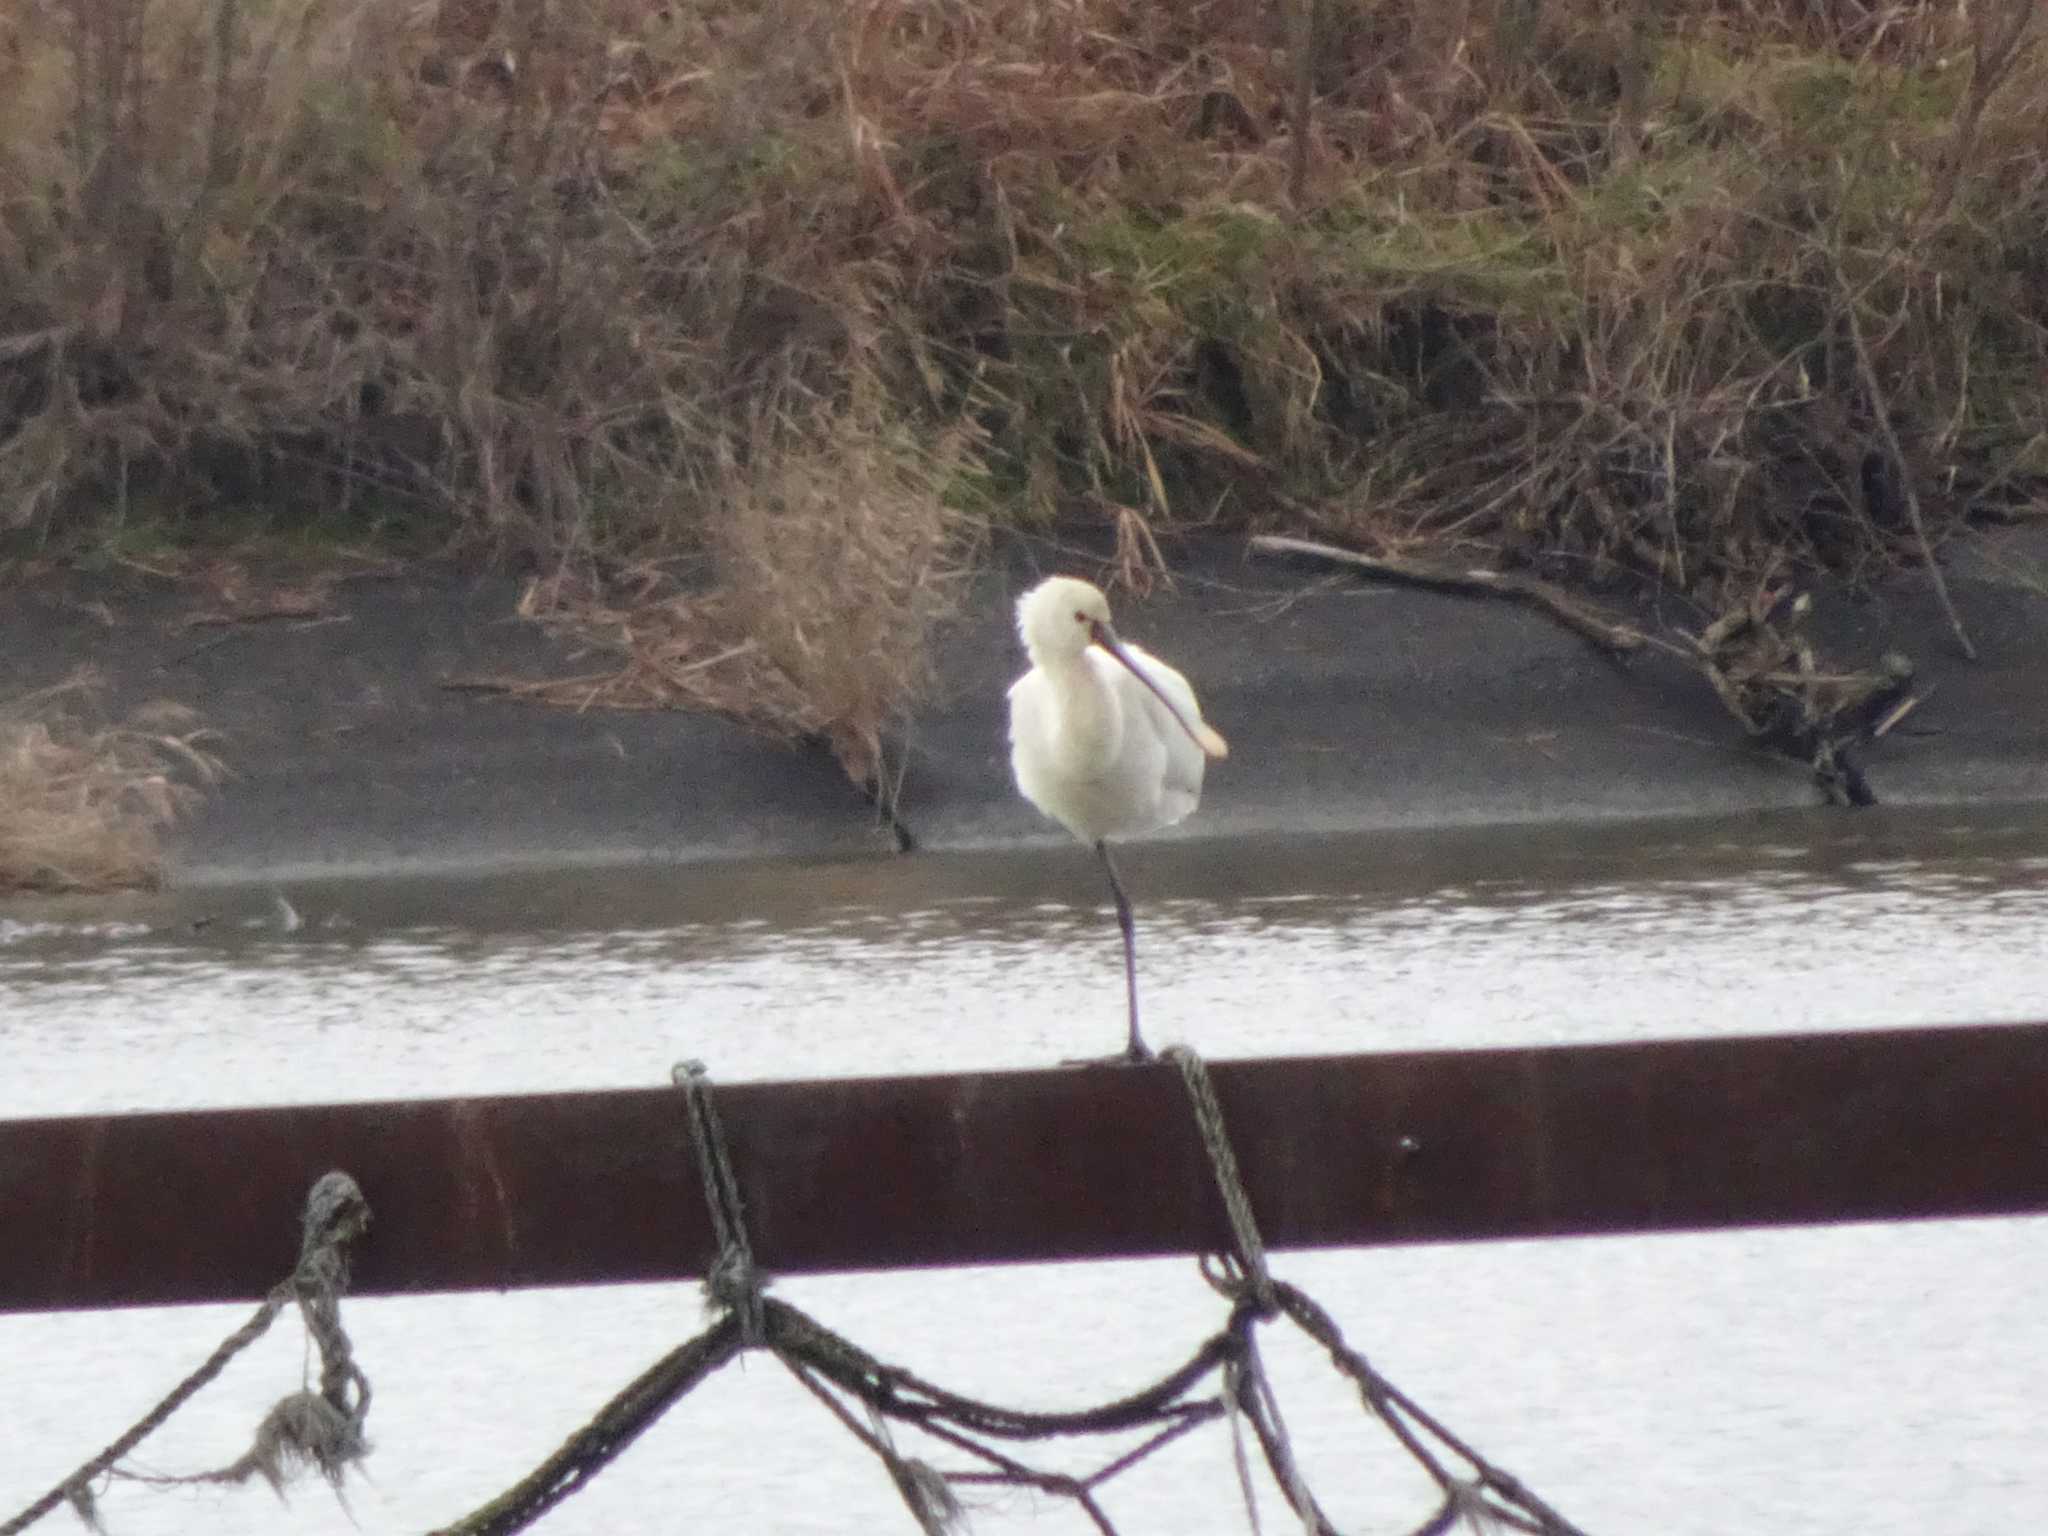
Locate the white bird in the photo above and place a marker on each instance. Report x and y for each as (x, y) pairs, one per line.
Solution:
(1105, 739)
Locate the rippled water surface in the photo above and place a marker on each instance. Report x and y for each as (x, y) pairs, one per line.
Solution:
(1861, 1380)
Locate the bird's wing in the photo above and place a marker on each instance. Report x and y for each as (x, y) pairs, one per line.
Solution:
(1025, 701)
(1184, 759)
(1031, 731)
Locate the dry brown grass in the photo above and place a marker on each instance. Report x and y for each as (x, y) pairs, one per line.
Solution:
(837, 559)
(83, 805)
(1674, 294)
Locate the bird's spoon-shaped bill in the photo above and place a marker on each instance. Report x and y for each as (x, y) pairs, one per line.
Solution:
(1198, 731)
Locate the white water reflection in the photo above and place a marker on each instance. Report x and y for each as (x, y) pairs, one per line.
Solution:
(1869, 1380)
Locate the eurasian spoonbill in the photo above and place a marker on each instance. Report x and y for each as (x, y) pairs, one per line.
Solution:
(1105, 739)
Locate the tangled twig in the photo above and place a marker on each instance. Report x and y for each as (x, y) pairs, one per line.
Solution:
(1754, 657)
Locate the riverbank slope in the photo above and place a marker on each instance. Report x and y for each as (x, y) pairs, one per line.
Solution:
(1349, 704)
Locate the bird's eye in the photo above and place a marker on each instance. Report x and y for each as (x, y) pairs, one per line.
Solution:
(1080, 617)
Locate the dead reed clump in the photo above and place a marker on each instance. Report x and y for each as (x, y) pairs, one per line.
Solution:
(835, 564)
(83, 806)
(838, 552)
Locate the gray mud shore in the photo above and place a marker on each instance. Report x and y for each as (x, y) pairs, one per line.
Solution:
(1349, 705)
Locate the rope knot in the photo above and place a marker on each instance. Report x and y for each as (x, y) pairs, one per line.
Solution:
(733, 1282)
(1243, 1274)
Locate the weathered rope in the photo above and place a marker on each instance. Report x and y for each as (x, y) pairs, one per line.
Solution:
(1233, 1394)
(595, 1446)
(1224, 1377)
(336, 1215)
(324, 1429)
(922, 1487)
(1262, 1406)
(1244, 1227)
(734, 1281)
(1513, 1502)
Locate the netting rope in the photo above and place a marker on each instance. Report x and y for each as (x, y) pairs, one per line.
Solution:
(734, 1281)
(1244, 1226)
(1224, 1377)
(322, 1429)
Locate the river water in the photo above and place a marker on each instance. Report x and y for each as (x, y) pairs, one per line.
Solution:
(1852, 1381)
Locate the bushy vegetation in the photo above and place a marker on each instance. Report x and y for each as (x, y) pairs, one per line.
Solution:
(744, 319)
(83, 801)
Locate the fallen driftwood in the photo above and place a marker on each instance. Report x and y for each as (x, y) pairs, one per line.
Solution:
(1582, 619)
(1754, 657)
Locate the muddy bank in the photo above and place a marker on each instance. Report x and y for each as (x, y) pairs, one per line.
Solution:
(1349, 705)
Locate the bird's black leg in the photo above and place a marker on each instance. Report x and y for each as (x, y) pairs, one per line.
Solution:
(1136, 1050)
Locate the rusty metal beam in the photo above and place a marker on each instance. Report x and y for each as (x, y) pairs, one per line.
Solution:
(562, 1189)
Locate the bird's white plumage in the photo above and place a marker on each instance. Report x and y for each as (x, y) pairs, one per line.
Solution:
(1104, 739)
(1091, 746)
